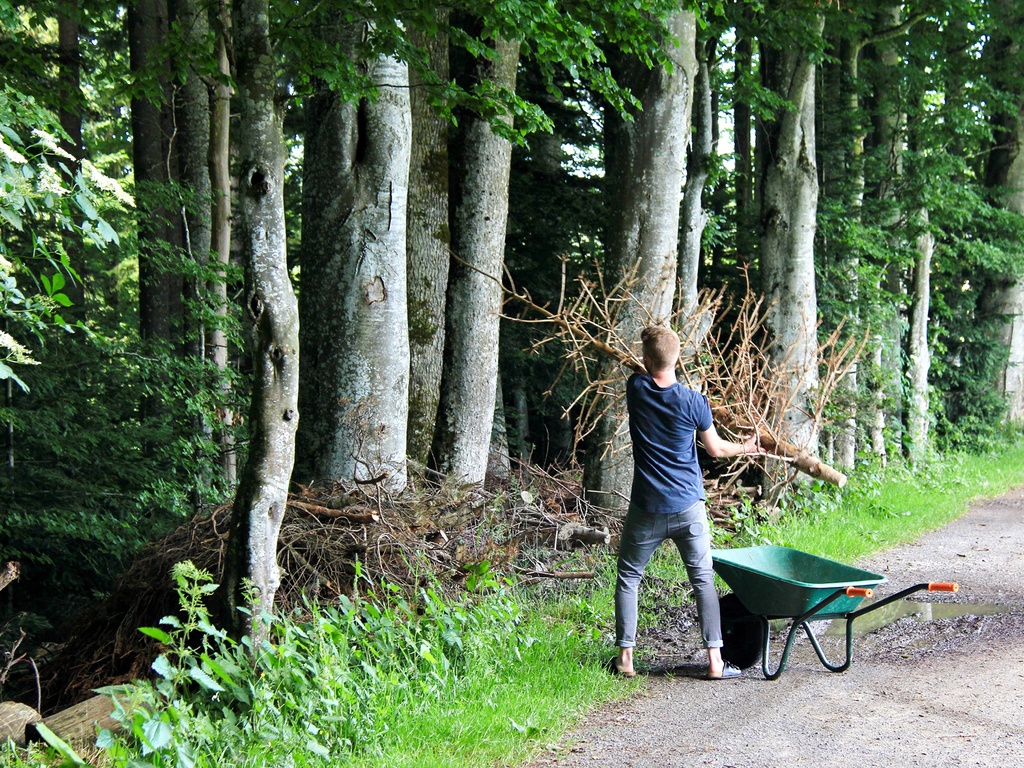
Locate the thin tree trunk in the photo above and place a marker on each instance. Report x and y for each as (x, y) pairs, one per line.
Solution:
(789, 207)
(745, 208)
(219, 162)
(479, 214)
(355, 377)
(698, 167)
(192, 140)
(644, 162)
(919, 354)
(273, 311)
(70, 113)
(429, 239)
(147, 27)
(1005, 177)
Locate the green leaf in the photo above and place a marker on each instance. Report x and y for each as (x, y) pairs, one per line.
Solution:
(62, 299)
(7, 373)
(87, 207)
(163, 667)
(157, 734)
(57, 282)
(204, 679)
(59, 744)
(107, 232)
(317, 748)
(157, 634)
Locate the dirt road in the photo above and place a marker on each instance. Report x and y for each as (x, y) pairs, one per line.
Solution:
(920, 692)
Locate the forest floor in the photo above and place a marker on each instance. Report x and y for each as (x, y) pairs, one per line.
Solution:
(944, 687)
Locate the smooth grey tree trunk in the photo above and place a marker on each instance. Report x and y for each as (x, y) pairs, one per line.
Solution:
(788, 213)
(694, 217)
(272, 309)
(429, 240)
(355, 339)
(918, 416)
(219, 163)
(644, 164)
(1005, 176)
(479, 213)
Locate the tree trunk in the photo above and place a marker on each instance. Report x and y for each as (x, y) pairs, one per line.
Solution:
(152, 127)
(428, 250)
(888, 119)
(219, 162)
(698, 168)
(1005, 177)
(70, 90)
(745, 208)
(355, 338)
(273, 311)
(479, 213)
(192, 141)
(919, 354)
(644, 162)
(788, 211)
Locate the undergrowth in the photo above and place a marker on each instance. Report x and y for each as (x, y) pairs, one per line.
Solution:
(380, 681)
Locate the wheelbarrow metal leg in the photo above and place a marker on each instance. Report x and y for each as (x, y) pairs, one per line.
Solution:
(798, 622)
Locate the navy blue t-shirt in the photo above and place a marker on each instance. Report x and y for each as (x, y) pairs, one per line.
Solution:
(662, 424)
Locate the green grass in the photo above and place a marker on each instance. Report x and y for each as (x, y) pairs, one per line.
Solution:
(504, 719)
(880, 510)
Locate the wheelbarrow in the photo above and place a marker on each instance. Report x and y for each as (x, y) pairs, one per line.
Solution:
(771, 583)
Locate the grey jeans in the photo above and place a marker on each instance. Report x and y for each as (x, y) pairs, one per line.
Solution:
(642, 534)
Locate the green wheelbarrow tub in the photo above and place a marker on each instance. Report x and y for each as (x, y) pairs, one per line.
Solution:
(779, 582)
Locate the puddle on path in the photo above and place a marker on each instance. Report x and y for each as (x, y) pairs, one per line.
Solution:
(902, 609)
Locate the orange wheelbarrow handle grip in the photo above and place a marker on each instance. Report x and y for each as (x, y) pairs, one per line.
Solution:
(943, 586)
(859, 592)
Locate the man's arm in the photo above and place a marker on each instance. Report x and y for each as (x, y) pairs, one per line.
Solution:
(723, 449)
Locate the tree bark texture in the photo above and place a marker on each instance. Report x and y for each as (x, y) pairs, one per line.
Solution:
(192, 142)
(272, 309)
(644, 172)
(479, 213)
(219, 163)
(152, 127)
(888, 137)
(429, 240)
(788, 217)
(698, 168)
(1005, 176)
(355, 339)
(918, 416)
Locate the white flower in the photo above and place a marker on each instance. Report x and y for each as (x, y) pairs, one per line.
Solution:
(50, 181)
(50, 142)
(107, 184)
(10, 152)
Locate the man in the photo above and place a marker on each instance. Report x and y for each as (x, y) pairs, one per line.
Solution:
(667, 497)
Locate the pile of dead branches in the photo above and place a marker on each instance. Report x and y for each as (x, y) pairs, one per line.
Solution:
(537, 527)
(727, 354)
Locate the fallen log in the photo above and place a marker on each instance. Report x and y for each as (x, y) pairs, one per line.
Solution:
(14, 721)
(78, 725)
(365, 515)
(573, 532)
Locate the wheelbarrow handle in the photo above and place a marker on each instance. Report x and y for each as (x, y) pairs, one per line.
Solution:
(943, 586)
(859, 592)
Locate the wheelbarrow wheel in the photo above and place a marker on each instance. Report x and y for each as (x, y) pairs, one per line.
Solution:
(742, 633)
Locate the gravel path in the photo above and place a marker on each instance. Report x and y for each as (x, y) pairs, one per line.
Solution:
(939, 692)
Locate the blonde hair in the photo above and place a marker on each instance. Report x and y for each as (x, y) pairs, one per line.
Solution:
(661, 347)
